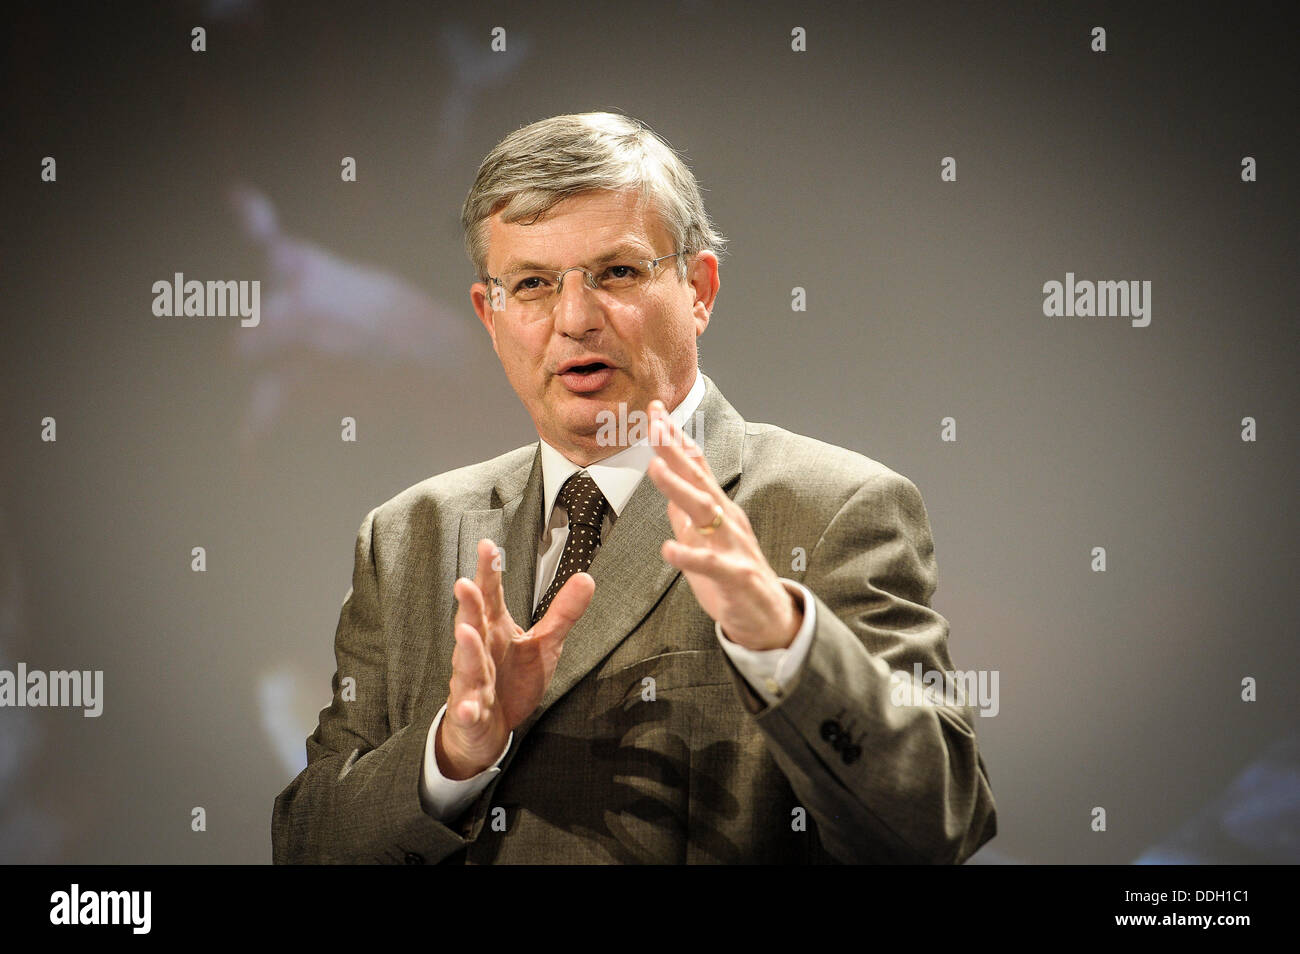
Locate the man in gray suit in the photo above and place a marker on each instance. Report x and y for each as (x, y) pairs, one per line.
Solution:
(618, 673)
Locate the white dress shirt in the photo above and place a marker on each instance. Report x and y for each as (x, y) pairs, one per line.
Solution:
(770, 672)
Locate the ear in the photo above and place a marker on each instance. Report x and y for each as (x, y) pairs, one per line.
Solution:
(480, 297)
(704, 280)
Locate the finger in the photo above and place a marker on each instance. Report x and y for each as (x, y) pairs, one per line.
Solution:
(567, 607)
(469, 661)
(681, 451)
(694, 470)
(695, 503)
(669, 442)
(489, 580)
(681, 523)
(469, 604)
(471, 677)
(716, 565)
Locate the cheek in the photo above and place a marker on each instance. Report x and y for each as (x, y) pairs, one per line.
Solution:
(673, 326)
(523, 351)
(514, 344)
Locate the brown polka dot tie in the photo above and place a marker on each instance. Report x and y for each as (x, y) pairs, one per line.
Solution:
(586, 506)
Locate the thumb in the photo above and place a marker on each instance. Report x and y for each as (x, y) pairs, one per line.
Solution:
(567, 607)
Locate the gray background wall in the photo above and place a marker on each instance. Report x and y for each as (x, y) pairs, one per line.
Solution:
(1119, 689)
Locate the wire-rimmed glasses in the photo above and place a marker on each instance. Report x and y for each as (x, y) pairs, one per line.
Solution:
(534, 290)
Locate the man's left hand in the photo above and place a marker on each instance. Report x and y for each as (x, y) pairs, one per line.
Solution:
(726, 568)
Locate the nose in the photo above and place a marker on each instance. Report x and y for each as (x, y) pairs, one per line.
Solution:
(577, 308)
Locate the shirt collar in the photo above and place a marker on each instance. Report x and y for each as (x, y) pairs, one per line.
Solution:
(618, 474)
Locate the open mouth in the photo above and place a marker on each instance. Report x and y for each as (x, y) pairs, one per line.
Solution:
(588, 378)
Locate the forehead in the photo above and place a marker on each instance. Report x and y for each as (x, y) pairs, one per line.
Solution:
(577, 229)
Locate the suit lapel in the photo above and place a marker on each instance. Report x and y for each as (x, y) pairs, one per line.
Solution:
(630, 572)
(518, 512)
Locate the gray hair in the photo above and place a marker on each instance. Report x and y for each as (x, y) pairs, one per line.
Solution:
(540, 165)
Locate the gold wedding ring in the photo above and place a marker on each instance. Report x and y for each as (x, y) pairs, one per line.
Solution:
(717, 521)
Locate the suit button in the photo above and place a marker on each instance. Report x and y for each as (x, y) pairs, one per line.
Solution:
(413, 859)
(850, 753)
(831, 731)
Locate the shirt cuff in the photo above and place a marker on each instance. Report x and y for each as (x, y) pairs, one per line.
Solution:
(770, 672)
(446, 798)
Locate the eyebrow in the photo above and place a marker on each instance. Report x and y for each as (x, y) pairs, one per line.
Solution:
(619, 251)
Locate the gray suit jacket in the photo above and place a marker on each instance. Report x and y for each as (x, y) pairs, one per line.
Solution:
(700, 769)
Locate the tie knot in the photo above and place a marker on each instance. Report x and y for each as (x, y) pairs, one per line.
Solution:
(583, 501)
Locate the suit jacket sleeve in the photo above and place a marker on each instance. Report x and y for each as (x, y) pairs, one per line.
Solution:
(918, 792)
(358, 799)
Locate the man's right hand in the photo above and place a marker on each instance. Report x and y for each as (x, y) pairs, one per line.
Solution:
(499, 671)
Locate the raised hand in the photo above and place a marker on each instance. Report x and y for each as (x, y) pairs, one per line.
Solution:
(715, 547)
(499, 670)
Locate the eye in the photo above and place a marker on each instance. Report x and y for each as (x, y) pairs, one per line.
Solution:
(621, 274)
(528, 283)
